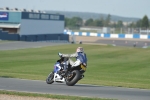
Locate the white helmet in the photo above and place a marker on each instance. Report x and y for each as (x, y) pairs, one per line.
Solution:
(79, 49)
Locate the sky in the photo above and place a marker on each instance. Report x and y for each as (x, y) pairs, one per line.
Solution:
(124, 8)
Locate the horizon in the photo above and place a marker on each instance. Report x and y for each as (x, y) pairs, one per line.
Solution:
(95, 13)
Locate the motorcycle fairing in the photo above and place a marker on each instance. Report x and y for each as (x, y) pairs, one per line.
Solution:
(56, 67)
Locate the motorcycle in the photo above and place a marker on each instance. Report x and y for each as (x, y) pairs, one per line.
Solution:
(71, 76)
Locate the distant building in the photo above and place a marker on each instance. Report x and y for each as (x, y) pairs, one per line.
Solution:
(33, 24)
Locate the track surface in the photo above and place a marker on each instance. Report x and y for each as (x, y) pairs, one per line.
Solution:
(77, 90)
(24, 45)
(116, 42)
(128, 43)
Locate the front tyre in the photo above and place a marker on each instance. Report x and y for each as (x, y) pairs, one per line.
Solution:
(72, 78)
(50, 78)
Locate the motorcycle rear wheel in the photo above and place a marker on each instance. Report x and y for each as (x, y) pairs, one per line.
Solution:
(74, 78)
(49, 79)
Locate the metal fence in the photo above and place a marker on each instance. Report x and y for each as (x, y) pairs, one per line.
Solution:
(123, 30)
(130, 31)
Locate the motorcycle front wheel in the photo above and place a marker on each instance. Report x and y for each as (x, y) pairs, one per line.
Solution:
(49, 79)
(72, 78)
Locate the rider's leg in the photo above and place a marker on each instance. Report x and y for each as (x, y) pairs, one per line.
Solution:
(76, 63)
(69, 62)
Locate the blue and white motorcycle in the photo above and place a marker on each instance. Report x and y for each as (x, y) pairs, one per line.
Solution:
(71, 76)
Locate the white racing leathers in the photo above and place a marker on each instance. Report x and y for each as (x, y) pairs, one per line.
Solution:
(80, 58)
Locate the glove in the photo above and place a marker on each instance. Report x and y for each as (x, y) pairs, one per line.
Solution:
(60, 55)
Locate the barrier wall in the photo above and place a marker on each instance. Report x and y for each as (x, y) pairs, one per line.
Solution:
(45, 37)
(108, 35)
(4, 35)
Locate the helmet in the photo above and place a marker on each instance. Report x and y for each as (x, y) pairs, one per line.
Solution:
(79, 49)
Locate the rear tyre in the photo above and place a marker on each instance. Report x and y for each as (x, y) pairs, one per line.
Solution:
(50, 78)
(73, 78)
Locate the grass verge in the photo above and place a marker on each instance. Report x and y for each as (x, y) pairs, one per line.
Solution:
(62, 97)
(107, 65)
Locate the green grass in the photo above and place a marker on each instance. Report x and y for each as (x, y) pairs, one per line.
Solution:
(62, 97)
(107, 65)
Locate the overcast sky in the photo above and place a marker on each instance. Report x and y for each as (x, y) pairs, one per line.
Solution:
(124, 8)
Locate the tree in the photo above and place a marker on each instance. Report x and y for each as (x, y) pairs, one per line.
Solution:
(145, 22)
(114, 25)
(107, 21)
(75, 22)
(89, 22)
(120, 24)
(132, 25)
(98, 23)
(138, 23)
(102, 21)
(67, 22)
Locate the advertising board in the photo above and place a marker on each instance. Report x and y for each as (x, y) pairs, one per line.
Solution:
(4, 15)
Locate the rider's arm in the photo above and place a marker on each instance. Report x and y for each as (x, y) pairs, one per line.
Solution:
(70, 55)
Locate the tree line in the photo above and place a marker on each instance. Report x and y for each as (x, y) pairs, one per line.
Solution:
(77, 22)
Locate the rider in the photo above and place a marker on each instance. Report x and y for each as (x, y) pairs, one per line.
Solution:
(79, 55)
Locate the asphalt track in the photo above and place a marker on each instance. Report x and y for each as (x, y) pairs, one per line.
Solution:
(120, 93)
(125, 42)
(23, 45)
(115, 42)
(77, 90)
